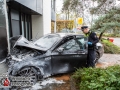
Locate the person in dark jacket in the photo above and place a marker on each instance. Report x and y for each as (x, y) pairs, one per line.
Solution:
(92, 40)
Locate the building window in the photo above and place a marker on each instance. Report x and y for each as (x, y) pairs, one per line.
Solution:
(20, 24)
(23, 24)
(15, 23)
(26, 26)
(15, 27)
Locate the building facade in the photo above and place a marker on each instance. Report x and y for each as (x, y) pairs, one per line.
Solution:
(30, 18)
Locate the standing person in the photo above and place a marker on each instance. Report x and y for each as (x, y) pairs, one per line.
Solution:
(92, 40)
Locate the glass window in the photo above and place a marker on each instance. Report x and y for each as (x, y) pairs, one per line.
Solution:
(74, 45)
(70, 45)
(22, 24)
(26, 26)
(15, 23)
(81, 42)
(47, 41)
(15, 27)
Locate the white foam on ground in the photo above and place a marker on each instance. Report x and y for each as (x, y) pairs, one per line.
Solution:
(45, 82)
(36, 86)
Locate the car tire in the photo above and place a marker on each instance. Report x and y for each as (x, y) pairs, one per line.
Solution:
(97, 57)
(29, 72)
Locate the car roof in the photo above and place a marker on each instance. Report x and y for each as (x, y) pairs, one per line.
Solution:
(66, 34)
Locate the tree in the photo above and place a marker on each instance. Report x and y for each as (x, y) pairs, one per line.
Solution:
(65, 8)
(108, 16)
(79, 8)
(103, 6)
(111, 20)
(104, 13)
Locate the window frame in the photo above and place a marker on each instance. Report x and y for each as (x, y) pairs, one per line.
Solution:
(73, 37)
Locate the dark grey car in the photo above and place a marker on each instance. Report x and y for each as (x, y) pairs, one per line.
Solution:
(51, 54)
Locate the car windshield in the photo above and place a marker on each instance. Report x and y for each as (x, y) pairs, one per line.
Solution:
(47, 41)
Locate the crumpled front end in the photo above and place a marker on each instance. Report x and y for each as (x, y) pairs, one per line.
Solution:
(43, 67)
(22, 53)
(21, 49)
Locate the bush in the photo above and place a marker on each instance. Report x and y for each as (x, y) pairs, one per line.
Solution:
(109, 47)
(61, 24)
(111, 35)
(98, 78)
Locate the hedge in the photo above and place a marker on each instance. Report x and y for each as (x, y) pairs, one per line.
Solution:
(98, 78)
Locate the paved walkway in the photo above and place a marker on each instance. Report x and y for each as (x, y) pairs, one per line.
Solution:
(108, 60)
(116, 41)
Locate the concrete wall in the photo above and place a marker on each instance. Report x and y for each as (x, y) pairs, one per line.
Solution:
(41, 25)
(35, 5)
(37, 26)
(47, 16)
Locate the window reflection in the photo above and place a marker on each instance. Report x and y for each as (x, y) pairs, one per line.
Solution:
(46, 41)
(71, 45)
(74, 45)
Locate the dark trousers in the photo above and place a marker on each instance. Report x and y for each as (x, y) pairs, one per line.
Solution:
(91, 58)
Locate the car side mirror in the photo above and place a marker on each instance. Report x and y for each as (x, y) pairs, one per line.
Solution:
(60, 50)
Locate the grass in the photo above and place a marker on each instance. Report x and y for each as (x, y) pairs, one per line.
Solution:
(111, 35)
(109, 47)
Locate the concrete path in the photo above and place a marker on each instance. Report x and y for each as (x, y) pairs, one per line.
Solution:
(108, 60)
(116, 41)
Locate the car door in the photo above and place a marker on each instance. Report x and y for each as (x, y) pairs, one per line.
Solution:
(69, 55)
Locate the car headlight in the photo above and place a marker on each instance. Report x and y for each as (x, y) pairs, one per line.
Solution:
(99, 45)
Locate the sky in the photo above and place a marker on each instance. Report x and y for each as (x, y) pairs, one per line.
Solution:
(59, 4)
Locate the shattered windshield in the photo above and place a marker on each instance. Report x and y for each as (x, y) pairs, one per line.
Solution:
(47, 41)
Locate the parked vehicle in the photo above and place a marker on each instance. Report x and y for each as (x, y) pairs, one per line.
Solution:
(50, 55)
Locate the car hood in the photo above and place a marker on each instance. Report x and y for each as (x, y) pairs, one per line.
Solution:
(22, 41)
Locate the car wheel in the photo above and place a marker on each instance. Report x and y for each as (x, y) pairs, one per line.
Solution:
(29, 72)
(97, 57)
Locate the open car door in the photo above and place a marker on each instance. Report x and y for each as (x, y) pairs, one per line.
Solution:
(70, 54)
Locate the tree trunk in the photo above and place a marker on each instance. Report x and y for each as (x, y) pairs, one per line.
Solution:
(68, 14)
(100, 37)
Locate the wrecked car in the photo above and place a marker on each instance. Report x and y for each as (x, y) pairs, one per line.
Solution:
(50, 55)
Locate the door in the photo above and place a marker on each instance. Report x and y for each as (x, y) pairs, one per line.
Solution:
(70, 54)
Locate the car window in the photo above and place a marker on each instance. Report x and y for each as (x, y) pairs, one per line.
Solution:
(70, 45)
(81, 42)
(47, 41)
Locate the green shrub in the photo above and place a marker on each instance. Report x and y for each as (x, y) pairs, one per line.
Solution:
(98, 78)
(111, 35)
(109, 47)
